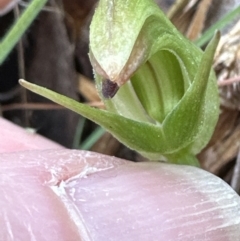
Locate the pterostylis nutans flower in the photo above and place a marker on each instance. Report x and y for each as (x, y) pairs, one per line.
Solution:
(159, 89)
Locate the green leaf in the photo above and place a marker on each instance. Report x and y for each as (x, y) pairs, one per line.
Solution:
(126, 130)
(18, 29)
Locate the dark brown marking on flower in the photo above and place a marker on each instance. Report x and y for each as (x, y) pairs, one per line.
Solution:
(109, 88)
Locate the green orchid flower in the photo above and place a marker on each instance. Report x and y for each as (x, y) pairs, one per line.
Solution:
(159, 89)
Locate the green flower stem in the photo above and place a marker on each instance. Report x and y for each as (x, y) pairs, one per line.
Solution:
(18, 29)
(92, 139)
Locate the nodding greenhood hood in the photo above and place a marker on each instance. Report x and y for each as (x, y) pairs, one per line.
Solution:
(159, 90)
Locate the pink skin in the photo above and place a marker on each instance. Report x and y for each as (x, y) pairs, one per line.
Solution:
(7, 5)
(4, 3)
(14, 138)
(62, 194)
